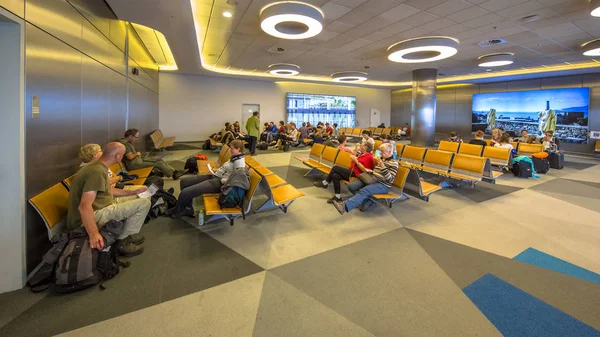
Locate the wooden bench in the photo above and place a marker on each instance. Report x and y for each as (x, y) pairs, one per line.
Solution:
(471, 149)
(52, 206)
(448, 146)
(159, 141)
(529, 149)
(397, 191)
(412, 156)
(215, 212)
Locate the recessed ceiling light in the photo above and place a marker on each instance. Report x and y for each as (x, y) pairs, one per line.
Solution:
(591, 48)
(488, 70)
(423, 49)
(595, 8)
(291, 20)
(496, 60)
(284, 69)
(227, 14)
(349, 76)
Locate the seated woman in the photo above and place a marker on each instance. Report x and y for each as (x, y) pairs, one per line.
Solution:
(360, 164)
(388, 139)
(504, 142)
(91, 152)
(383, 174)
(366, 138)
(228, 135)
(192, 187)
(342, 139)
(549, 141)
(496, 135)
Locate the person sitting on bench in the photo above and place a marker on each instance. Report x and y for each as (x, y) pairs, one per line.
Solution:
(478, 139)
(343, 140)
(195, 186)
(382, 175)
(360, 164)
(91, 152)
(549, 141)
(504, 142)
(454, 137)
(366, 138)
(388, 139)
(133, 159)
(92, 203)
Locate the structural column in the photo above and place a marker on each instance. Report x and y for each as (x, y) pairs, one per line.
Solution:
(423, 107)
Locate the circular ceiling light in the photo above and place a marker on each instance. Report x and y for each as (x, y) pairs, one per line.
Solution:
(349, 76)
(284, 69)
(496, 60)
(591, 48)
(423, 49)
(595, 8)
(291, 20)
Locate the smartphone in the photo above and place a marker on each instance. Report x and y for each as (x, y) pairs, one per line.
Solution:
(378, 153)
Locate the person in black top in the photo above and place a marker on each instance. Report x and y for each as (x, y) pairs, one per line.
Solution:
(478, 139)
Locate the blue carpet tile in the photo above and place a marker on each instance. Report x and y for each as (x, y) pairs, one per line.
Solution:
(543, 260)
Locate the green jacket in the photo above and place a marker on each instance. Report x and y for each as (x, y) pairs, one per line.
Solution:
(253, 126)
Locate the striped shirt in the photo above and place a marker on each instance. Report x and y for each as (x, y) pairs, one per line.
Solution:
(387, 174)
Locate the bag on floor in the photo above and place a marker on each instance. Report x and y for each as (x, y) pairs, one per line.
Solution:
(557, 160)
(191, 165)
(540, 165)
(207, 145)
(160, 202)
(158, 181)
(263, 146)
(201, 156)
(522, 169)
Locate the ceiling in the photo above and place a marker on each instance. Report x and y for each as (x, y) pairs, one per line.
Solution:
(357, 34)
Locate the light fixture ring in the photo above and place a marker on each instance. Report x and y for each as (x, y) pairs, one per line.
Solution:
(595, 8)
(291, 20)
(591, 48)
(423, 49)
(349, 76)
(496, 60)
(284, 69)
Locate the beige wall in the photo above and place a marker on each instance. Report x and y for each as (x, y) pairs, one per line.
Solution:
(192, 107)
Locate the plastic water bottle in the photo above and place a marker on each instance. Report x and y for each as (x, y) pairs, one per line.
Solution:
(201, 217)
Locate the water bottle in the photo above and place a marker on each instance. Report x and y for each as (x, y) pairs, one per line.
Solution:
(201, 217)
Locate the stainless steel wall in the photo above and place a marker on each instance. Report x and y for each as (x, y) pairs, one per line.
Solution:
(78, 63)
(454, 103)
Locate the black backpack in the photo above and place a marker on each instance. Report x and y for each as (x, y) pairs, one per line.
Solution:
(207, 145)
(522, 169)
(191, 165)
(233, 199)
(158, 181)
(263, 146)
(161, 201)
(72, 265)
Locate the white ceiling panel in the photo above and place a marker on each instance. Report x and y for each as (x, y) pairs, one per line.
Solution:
(483, 20)
(350, 3)
(449, 7)
(339, 27)
(400, 12)
(377, 7)
(424, 4)
(356, 17)
(334, 11)
(421, 18)
(467, 14)
(495, 5)
(520, 10)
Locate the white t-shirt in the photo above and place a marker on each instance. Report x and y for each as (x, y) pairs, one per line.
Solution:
(505, 146)
(369, 140)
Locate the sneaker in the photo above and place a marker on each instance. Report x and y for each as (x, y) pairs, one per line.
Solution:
(320, 184)
(188, 211)
(339, 205)
(127, 248)
(136, 239)
(330, 201)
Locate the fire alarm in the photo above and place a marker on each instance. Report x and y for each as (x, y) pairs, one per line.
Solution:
(135, 71)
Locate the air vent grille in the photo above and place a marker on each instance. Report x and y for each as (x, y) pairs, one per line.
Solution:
(491, 42)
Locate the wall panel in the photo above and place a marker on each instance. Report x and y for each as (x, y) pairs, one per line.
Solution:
(94, 44)
(56, 17)
(17, 7)
(143, 112)
(96, 12)
(95, 105)
(118, 106)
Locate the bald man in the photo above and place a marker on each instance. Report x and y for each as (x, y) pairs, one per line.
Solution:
(92, 203)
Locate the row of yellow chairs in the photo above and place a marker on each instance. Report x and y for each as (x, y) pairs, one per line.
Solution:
(498, 156)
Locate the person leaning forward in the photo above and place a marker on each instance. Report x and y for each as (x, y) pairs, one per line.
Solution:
(133, 159)
(92, 203)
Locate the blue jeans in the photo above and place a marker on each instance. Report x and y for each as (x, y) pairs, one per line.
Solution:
(362, 193)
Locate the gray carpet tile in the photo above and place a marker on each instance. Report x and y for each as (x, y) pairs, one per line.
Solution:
(569, 188)
(485, 191)
(576, 297)
(578, 165)
(588, 183)
(286, 311)
(389, 286)
(178, 260)
(295, 175)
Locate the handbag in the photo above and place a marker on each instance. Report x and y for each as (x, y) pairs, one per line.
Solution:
(367, 178)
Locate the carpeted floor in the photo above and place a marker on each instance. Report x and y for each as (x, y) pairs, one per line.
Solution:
(518, 258)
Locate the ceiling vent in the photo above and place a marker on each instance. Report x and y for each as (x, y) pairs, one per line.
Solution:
(492, 42)
(276, 50)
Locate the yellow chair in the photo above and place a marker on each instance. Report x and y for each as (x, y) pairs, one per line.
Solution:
(437, 162)
(597, 149)
(376, 145)
(470, 149)
(69, 181)
(328, 157)
(399, 149)
(413, 156)
(529, 149)
(419, 188)
(314, 157)
(448, 146)
(397, 191)
(377, 132)
(467, 168)
(215, 212)
(52, 206)
(498, 156)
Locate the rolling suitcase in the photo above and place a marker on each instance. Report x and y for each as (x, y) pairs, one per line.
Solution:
(557, 160)
(540, 165)
(522, 169)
